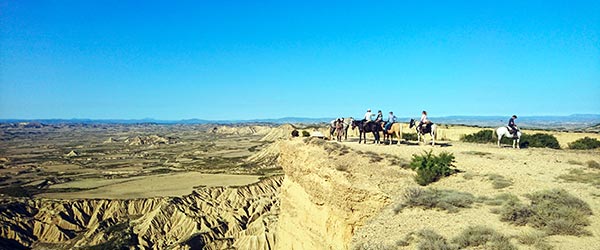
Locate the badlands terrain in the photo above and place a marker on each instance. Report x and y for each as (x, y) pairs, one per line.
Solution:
(252, 186)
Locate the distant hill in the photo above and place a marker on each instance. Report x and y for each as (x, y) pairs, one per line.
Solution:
(587, 122)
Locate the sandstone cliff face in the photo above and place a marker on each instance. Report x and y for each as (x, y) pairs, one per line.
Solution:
(328, 192)
(209, 218)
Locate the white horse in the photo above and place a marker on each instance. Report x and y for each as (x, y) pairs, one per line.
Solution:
(503, 131)
(432, 133)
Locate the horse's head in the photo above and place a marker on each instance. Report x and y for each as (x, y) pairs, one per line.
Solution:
(355, 124)
(411, 123)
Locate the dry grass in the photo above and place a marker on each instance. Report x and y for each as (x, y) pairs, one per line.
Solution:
(582, 176)
(482, 236)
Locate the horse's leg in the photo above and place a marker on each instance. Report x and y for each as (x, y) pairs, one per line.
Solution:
(514, 141)
(499, 138)
(432, 138)
(518, 142)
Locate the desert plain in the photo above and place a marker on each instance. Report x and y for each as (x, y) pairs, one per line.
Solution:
(253, 186)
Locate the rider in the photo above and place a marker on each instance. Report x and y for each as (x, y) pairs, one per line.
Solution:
(424, 121)
(379, 117)
(368, 116)
(512, 126)
(391, 119)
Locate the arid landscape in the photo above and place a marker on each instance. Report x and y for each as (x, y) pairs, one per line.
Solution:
(253, 186)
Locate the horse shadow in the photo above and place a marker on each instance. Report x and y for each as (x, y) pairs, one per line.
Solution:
(415, 143)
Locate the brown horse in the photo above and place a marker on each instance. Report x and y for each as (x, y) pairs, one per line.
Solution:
(395, 129)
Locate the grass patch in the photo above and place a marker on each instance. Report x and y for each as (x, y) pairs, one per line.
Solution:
(574, 162)
(16, 191)
(499, 181)
(555, 211)
(498, 199)
(585, 143)
(448, 200)
(581, 176)
(431, 168)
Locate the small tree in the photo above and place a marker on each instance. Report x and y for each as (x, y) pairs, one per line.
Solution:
(585, 143)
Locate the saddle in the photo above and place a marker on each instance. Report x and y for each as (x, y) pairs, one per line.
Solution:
(511, 131)
(426, 129)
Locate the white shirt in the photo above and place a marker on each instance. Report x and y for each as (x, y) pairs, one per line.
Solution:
(368, 116)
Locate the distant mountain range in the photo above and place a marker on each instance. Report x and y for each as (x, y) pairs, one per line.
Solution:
(576, 121)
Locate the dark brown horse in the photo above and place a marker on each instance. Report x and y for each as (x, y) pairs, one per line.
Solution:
(366, 127)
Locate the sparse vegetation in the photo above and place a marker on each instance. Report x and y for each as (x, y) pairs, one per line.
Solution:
(431, 168)
(499, 181)
(16, 191)
(553, 211)
(574, 162)
(581, 176)
(585, 143)
(475, 236)
(539, 140)
(449, 200)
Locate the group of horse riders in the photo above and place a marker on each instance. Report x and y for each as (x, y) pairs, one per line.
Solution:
(424, 126)
(423, 123)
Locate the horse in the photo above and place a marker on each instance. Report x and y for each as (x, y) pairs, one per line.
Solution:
(503, 131)
(365, 127)
(395, 129)
(432, 132)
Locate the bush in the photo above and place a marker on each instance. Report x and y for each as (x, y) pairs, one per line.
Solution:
(448, 200)
(430, 240)
(540, 140)
(593, 164)
(305, 133)
(483, 136)
(585, 143)
(554, 211)
(409, 136)
(431, 168)
(475, 236)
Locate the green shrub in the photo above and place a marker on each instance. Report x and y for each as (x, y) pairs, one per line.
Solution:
(431, 168)
(409, 136)
(305, 133)
(554, 211)
(539, 140)
(475, 236)
(16, 191)
(448, 200)
(585, 143)
(483, 136)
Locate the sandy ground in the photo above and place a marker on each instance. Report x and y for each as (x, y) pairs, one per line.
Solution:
(147, 186)
(531, 170)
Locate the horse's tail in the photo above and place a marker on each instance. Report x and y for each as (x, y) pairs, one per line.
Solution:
(494, 133)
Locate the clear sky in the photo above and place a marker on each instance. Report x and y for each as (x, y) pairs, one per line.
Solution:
(271, 59)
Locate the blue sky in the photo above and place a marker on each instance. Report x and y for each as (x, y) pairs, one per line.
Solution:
(271, 59)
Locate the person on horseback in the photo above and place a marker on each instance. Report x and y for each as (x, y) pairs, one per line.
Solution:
(368, 116)
(391, 120)
(379, 117)
(512, 126)
(424, 121)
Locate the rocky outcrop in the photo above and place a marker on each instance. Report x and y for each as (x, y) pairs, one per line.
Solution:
(209, 218)
(326, 194)
(240, 130)
(150, 140)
